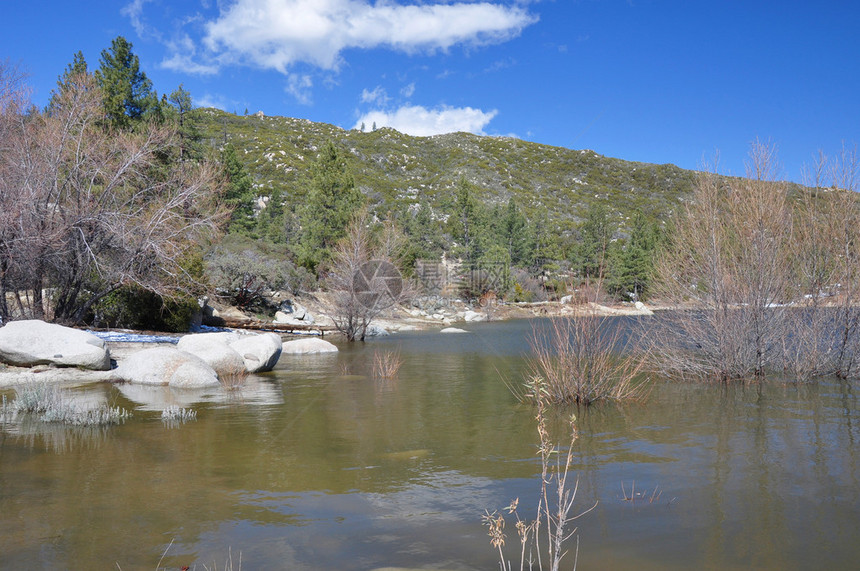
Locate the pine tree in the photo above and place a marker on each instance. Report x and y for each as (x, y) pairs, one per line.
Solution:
(180, 106)
(239, 194)
(128, 93)
(330, 205)
(631, 267)
(515, 233)
(593, 249)
(425, 236)
(468, 222)
(78, 67)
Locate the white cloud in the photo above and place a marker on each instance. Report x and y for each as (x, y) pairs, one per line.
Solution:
(134, 12)
(299, 86)
(378, 96)
(183, 60)
(216, 101)
(408, 91)
(422, 122)
(275, 34)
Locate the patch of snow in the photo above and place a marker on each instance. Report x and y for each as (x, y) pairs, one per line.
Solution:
(131, 337)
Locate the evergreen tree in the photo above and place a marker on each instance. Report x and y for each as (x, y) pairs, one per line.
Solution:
(128, 93)
(515, 234)
(78, 67)
(329, 207)
(180, 106)
(631, 268)
(239, 194)
(469, 227)
(277, 222)
(425, 237)
(595, 233)
(545, 247)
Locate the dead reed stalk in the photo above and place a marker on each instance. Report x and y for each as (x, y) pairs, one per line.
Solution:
(233, 379)
(555, 500)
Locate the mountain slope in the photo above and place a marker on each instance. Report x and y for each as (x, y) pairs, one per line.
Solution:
(394, 169)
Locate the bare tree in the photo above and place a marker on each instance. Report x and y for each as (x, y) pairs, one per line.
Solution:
(728, 261)
(14, 99)
(364, 280)
(771, 281)
(96, 209)
(827, 256)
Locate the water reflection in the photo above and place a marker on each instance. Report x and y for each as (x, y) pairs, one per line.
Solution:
(319, 465)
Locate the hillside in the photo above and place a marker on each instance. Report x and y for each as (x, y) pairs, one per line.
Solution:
(394, 169)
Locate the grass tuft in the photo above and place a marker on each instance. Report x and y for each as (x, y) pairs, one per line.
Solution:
(52, 404)
(175, 414)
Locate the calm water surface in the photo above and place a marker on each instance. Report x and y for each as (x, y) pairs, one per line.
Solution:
(319, 466)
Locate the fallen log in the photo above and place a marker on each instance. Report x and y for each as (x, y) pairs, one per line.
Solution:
(258, 325)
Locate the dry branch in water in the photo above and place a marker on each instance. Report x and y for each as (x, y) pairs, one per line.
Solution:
(555, 500)
(386, 364)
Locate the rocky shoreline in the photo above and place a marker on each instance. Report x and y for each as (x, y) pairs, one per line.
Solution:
(211, 359)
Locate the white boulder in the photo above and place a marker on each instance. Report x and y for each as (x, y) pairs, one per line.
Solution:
(34, 342)
(308, 346)
(258, 352)
(298, 316)
(166, 366)
(374, 330)
(474, 316)
(643, 309)
(215, 350)
(453, 330)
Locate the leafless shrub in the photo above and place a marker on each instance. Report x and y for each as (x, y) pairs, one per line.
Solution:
(837, 276)
(729, 261)
(87, 209)
(582, 360)
(174, 414)
(233, 379)
(243, 271)
(768, 274)
(386, 364)
(50, 403)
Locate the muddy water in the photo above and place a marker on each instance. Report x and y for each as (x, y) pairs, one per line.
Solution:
(320, 466)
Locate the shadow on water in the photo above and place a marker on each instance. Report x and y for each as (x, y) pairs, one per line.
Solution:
(318, 465)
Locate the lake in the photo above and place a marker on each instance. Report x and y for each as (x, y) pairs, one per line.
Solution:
(317, 465)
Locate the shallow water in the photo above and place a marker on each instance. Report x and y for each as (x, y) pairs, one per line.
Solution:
(319, 466)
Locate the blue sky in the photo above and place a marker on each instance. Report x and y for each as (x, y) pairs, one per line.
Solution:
(653, 81)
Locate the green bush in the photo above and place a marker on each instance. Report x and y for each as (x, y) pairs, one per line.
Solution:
(132, 307)
(243, 271)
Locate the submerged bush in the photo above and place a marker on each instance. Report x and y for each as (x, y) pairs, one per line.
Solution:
(582, 360)
(53, 404)
(176, 414)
